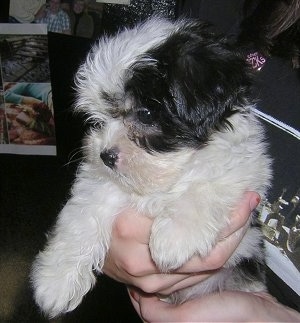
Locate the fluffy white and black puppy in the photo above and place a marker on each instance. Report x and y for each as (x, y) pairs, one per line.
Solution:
(174, 137)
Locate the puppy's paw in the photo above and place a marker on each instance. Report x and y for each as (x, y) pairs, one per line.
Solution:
(170, 244)
(59, 287)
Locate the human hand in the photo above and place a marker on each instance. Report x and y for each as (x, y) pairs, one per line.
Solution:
(227, 306)
(129, 260)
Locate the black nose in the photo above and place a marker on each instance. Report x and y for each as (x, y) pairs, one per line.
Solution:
(109, 157)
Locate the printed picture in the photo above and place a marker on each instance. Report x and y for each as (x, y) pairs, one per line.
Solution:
(26, 106)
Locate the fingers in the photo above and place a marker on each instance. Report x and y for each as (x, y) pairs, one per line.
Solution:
(129, 260)
(242, 212)
(230, 238)
(163, 284)
(232, 306)
(133, 225)
(129, 254)
(159, 283)
(188, 281)
(216, 259)
(151, 309)
(226, 306)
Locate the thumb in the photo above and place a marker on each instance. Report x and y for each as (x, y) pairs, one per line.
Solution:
(150, 308)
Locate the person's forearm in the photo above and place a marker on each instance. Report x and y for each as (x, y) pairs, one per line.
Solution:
(29, 100)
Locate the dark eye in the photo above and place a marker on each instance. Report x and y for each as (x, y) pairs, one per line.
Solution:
(145, 116)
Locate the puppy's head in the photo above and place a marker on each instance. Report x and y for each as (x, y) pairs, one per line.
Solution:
(158, 92)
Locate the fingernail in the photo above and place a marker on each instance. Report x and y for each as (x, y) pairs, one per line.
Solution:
(255, 200)
(134, 294)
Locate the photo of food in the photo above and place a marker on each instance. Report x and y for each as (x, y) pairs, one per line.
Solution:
(29, 113)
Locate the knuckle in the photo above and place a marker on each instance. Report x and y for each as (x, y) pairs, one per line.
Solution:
(148, 288)
(217, 261)
(121, 229)
(132, 267)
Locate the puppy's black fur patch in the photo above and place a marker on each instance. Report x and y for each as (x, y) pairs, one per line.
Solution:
(210, 88)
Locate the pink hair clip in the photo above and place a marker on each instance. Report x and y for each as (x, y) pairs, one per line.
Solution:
(256, 60)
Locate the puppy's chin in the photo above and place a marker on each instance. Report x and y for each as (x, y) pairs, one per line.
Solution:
(136, 169)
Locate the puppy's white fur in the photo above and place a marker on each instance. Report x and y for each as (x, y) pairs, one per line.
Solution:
(190, 195)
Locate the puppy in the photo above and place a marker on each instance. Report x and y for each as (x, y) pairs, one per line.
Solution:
(174, 136)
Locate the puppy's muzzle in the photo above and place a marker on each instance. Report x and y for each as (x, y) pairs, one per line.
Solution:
(109, 157)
